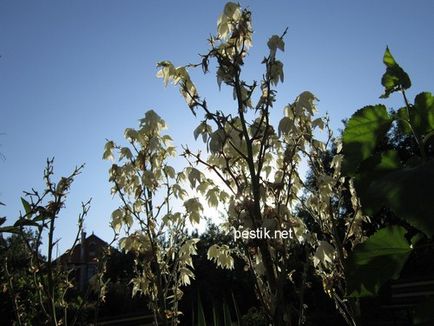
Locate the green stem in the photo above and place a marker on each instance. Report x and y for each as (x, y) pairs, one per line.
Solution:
(50, 272)
(418, 139)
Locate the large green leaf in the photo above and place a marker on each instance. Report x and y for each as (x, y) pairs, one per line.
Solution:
(370, 170)
(395, 78)
(237, 310)
(227, 314)
(201, 321)
(216, 316)
(375, 261)
(422, 114)
(362, 133)
(408, 192)
(403, 120)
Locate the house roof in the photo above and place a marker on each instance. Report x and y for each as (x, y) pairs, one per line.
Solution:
(93, 248)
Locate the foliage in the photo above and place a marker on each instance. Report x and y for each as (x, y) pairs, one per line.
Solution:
(377, 260)
(38, 282)
(395, 78)
(252, 172)
(221, 314)
(383, 178)
(390, 157)
(16, 279)
(254, 317)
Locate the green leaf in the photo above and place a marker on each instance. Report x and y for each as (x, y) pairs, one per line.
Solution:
(375, 261)
(25, 222)
(375, 167)
(395, 78)
(226, 315)
(41, 217)
(403, 120)
(201, 321)
(362, 134)
(10, 229)
(408, 192)
(237, 310)
(27, 207)
(215, 315)
(422, 114)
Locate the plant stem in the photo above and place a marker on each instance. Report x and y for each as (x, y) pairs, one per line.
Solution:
(416, 136)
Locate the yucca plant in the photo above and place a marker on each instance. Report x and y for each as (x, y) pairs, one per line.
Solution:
(221, 313)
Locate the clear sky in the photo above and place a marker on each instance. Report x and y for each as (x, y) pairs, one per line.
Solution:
(73, 73)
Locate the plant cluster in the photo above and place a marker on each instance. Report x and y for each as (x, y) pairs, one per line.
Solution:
(364, 209)
(38, 286)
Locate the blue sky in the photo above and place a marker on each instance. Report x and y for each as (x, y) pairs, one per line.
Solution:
(73, 73)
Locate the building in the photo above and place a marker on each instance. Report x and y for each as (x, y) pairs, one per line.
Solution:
(83, 259)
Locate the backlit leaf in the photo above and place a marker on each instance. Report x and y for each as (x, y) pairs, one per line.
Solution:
(408, 194)
(395, 78)
(362, 133)
(377, 260)
(422, 114)
(27, 207)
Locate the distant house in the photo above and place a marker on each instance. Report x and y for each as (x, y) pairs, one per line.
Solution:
(83, 258)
